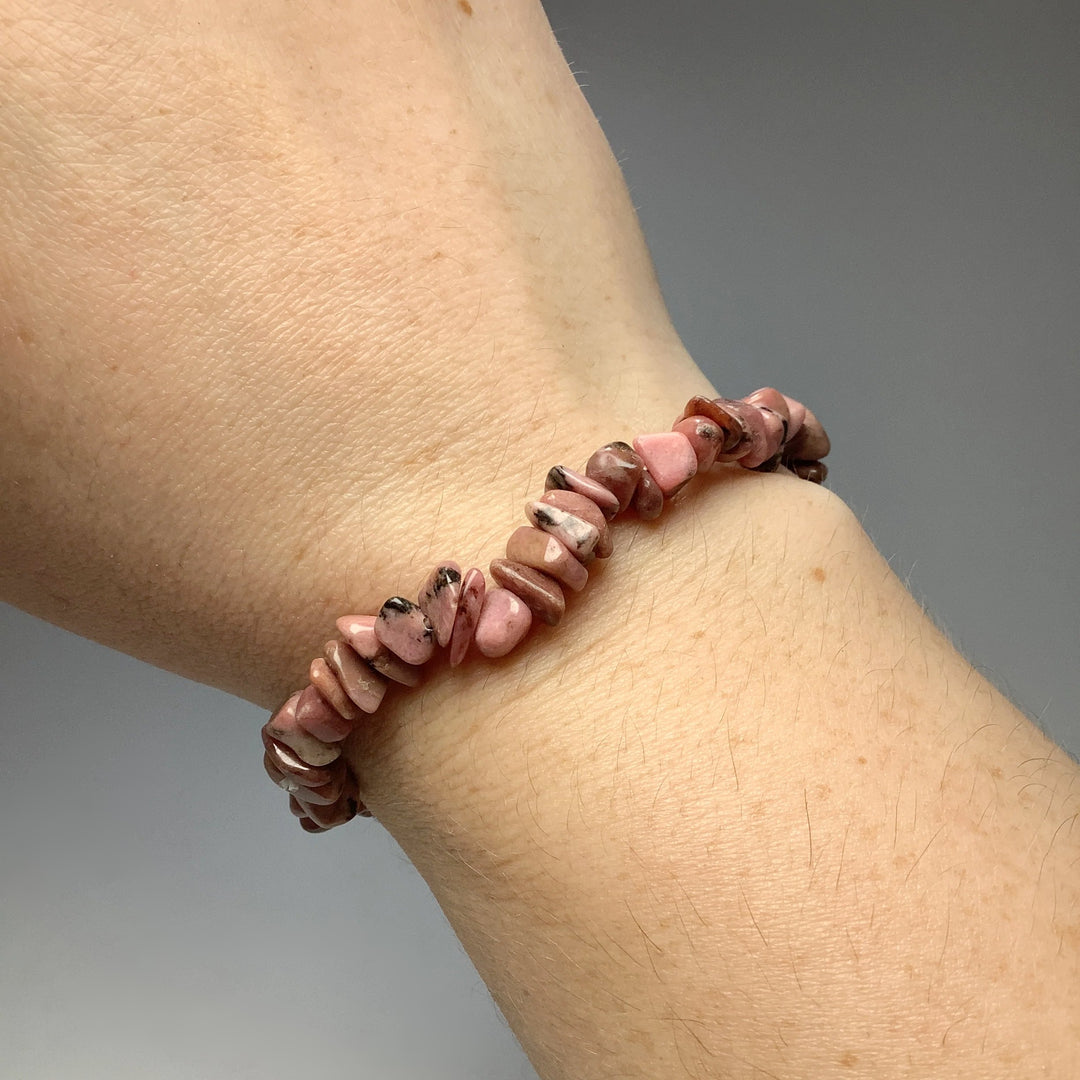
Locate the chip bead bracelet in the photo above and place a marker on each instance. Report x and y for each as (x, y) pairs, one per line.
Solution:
(455, 611)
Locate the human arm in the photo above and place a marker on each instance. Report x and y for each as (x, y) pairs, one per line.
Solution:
(650, 594)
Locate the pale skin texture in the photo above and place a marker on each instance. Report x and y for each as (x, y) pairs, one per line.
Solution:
(295, 300)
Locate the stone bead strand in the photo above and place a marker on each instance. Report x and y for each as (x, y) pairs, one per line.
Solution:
(455, 611)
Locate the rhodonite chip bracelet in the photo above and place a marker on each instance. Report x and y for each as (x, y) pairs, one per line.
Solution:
(456, 611)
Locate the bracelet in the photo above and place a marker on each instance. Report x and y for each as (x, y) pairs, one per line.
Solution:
(568, 528)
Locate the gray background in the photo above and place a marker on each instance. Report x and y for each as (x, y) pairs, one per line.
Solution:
(872, 206)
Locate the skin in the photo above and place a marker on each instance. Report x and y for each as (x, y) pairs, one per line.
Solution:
(293, 298)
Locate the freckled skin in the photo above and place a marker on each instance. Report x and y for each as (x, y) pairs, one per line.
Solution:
(624, 826)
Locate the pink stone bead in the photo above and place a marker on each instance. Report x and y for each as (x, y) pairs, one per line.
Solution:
(796, 416)
(648, 499)
(585, 508)
(504, 620)
(359, 680)
(706, 437)
(560, 478)
(470, 604)
(769, 398)
(333, 693)
(403, 628)
(774, 408)
(359, 632)
(617, 466)
(544, 552)
(774, 431)
(579, 535)
(316, 715)
(285, 727)
(669, 457)
(439, 599)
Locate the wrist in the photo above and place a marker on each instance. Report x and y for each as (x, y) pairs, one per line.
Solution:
(682, 603)
(746, 764)
(442, 474)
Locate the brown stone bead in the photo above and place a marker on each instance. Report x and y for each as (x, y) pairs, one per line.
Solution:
(727, 419)
(395, 669)
(769, 464)
(290, 783)
(810, 442)
(814, 471)
(281, 779)
(325, 681)
(470, 604)
(752, 443)
(540, 593)
(325, 795)
(289, 763)
(617, 466)
(285, 727)
(560, 478)
(587, 510)
(346, 808)
(648, 499)
(548, 554)
(362, 683)
(343, 809)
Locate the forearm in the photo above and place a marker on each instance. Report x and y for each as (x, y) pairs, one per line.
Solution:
(281, 298)
(750, 812)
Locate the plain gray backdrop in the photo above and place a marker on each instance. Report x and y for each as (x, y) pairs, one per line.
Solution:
(871, 205)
